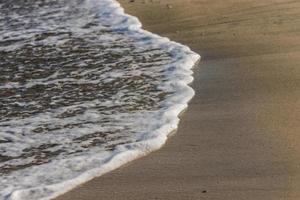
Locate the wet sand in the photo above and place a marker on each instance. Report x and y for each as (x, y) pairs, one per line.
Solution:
(240, 137)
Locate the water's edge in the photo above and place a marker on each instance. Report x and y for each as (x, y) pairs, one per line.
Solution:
(151, 141)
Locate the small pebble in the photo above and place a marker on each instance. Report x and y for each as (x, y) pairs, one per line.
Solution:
(169, 6)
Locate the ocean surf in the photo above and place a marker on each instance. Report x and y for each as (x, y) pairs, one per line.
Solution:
(83, 90)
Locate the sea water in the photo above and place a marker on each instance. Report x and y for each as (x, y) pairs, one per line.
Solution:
(83, 90)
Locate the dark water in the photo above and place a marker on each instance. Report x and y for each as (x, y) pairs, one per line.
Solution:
(75, 82)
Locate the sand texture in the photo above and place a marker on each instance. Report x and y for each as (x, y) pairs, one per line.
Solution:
(240, 137)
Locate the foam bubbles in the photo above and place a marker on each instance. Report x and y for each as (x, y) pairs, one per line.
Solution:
(83, 90)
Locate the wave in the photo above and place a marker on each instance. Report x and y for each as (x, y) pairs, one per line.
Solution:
(135, 120)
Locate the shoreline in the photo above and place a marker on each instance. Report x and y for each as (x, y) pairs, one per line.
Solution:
(238, 138)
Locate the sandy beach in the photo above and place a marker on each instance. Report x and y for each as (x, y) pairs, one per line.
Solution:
(240, 137)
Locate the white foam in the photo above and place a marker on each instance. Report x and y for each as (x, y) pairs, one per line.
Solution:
(158, 125)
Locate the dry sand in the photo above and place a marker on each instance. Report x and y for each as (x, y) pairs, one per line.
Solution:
(240, 138)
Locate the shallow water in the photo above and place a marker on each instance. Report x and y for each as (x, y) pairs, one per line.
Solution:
(80, 83)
